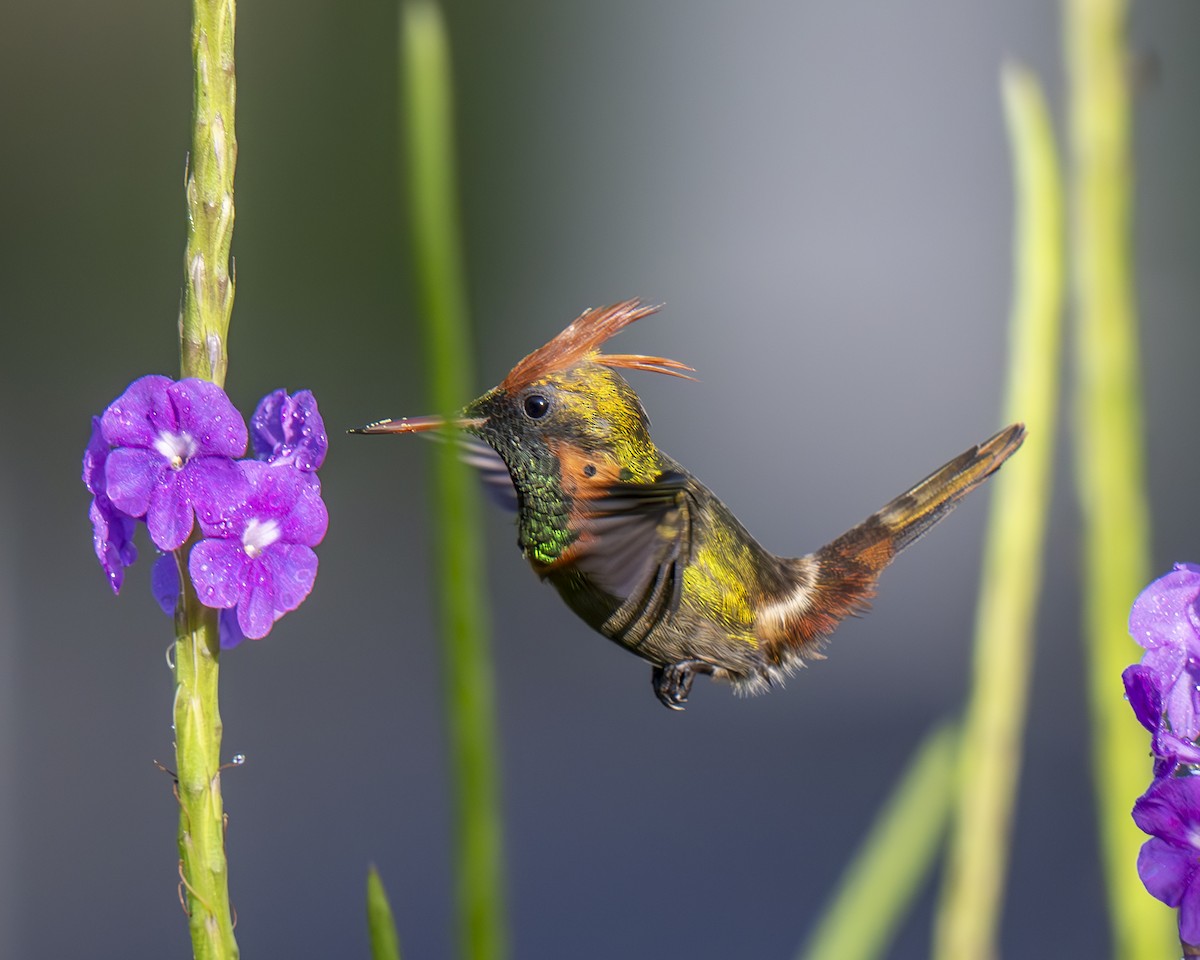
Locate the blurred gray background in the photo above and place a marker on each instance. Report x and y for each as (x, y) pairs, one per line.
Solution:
(820, 193)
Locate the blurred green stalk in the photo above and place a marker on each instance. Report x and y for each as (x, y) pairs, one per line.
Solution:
(1108, 451)
(381, 925)
(426, 117)
(204, 322)
(968, 918)
(882, 881)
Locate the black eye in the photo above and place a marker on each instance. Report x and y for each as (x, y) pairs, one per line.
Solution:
(536, 406)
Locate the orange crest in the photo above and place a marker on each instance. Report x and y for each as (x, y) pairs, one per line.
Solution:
(581, 342)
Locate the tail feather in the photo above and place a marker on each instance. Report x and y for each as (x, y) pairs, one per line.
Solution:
(839, 579)
(911, 514)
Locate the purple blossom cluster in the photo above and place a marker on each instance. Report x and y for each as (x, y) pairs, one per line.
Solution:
(1164, 692)
(166, 452)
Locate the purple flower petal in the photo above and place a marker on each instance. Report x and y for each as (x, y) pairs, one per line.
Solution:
(131, 474)
(1189, 911)
(1163, 620)
(169, 517)
(1145, 698)
(289, 429)
(228, 629)
(206, 414)
(273, 491)
(293, 569)
(312, 442)
(1170, 809)
(112, 529)
(1160, 614)
(308, 519)
(1166, 870)
(256, 608)
(1141, 689)
(217, 569)
(140, 414)
(1181, 706)
(266, 426)
(112, 539)
(94, 459)
(217, 488)
(1173, 748)
(164, 583)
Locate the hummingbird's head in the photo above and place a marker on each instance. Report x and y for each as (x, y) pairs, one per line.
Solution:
(566, 400)
(587, 410)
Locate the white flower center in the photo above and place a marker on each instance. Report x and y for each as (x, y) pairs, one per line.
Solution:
(259, 535)
(178, 448)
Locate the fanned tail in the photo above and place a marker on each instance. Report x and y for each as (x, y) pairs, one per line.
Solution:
(911, 514)
(839, 579)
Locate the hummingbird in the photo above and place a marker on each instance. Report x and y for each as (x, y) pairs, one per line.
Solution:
(644, 552)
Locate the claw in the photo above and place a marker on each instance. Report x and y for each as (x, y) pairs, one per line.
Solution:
(673, 681)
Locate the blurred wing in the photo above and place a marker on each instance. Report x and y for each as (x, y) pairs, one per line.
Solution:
(634, 542)
(497, 482)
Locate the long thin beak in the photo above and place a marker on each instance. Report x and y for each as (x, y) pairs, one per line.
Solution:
(418, 424)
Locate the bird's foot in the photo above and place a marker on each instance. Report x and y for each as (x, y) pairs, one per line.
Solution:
(673, 682)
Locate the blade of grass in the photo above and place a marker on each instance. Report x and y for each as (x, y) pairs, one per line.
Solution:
(381, 925)
(968, 917)
(426, 105)
(1109, 461)
(878, 887)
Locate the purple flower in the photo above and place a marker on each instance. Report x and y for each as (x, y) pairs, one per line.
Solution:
(112, 530)
(163, 451)
(173, 445)
(1170, 750)
(289, 429)
(164, 584)
(1170, 861)
(1164, 620)
(258, 556)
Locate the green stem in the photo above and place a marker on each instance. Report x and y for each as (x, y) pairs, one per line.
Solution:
(879, 886)
(203, 868)
(203, 325)
(968, 917)
(1108, 451)
(208, 284)
(426, 103)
